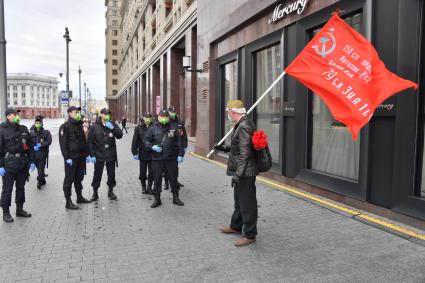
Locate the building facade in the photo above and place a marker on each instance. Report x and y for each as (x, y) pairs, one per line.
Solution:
(249, 43)
(154, 37)
(33, 95)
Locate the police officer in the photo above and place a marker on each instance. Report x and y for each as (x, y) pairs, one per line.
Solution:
(164, 142)
(140, 152)
(16, 154)
(179, 124)
(103, 150)
(75, 151)
(41, 139)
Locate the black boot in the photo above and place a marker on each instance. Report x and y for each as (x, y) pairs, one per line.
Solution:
(111, 194)
(70, 204)
(39, 185)
(144, 189)
(176, 199)
(157, 202)
(95, 195)
(6, 215)
(149, 189)
(81, 199)
(166, 184)
(20, 212)
(180, 185)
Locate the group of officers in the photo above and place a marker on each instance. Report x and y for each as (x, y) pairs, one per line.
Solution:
(159, 144)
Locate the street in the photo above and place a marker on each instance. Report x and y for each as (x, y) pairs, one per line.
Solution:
(127, 241)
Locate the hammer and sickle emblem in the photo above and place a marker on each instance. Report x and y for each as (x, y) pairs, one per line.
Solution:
(323, 40)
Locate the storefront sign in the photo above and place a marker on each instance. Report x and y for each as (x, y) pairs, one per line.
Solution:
(289, 108)
(281, 11)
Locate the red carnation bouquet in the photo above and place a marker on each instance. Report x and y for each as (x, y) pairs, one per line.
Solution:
(259, 140)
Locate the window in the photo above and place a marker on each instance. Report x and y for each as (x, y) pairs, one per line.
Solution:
(114, 72)
(114, 42)
(54, 103)
(267, 69)
(32, 88)
(15, 102)
(15, 87)
(114, 82)
(31, 102)
(114, 23)
(23, 95)
(23, 102)
(114, 52)
(114, 92)
(230, 91)
(15, 95)
(47, 103)
(114, 32)
(48, 96)
(332, 150)
(114, 12)
(114, 62)
(115, 3)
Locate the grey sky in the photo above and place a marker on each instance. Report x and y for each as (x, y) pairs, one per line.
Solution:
(34, 30)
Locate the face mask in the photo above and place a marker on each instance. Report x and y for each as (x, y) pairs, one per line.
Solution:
(173, 115)
(78, 117)
(38, 126)
(229, 117)
(107, 118)
(16, 119)
(164, 120)
(147, 121)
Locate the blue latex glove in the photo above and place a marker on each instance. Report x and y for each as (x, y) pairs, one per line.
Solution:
(2, 171)
(37, 146)
(157, 148)
(32, 167)
(69, 162)
(93, 160)
(88, 159)
(179, 159)
(135, 157)
(109, 125)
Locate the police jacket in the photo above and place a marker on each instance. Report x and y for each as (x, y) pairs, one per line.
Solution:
(42, 137)
(242, 153)
(72, 140)
(102, 141)
(179, 124)
(137, 145)
(166, 137)
(16, 148)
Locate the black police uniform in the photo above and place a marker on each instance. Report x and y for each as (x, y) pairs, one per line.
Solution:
(16, 154)
(103, 146)
(165, 136)
(73, 146)
(145, 156)
(43, 137)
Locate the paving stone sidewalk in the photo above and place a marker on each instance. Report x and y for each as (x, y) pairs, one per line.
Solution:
(127, 241)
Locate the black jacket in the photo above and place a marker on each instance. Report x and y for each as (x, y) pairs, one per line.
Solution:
(242, 153)
(179, 124)
(72, 140)
(137, 145)
(16, 148)
(42, 137)
(165, 136)
(102, 141)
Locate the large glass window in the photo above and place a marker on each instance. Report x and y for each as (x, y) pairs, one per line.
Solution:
(267, 68)
(332, 149)
(229, 73)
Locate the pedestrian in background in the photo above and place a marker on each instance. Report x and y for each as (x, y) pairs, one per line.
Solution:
(124, 124)
(16, 157)
(41, 139)
(103, 150)
(142, 153)
(243, 169)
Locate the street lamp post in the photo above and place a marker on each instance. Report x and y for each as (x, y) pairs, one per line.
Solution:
(79, 83)
(3, 73)
(68, 40)
(85, 93)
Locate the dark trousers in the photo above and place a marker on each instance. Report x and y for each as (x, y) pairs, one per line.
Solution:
(41, 164)
(146, 171)
(98, 171)
(170, 167)
(74, 175)
(124, 128)
(9, 180)
(244, 218)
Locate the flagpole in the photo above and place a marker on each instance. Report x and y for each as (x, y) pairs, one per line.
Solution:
(250, 110)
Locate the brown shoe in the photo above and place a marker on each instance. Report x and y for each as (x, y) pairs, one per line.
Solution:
(228, 230)
(244, 242)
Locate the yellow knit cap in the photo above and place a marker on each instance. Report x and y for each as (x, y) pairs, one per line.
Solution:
(235, 104)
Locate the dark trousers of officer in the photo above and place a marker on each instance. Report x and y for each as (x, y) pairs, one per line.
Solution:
(166, 177)
(19, 178)
(98, 171)
(74, 175)
(146, 171)
(245, 216)
(170, 167)
(41, 164)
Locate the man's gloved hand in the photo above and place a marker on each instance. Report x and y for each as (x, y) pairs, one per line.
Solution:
(136, 157)
(235, 181)
(109, 125)
(221, 147)
(179, 159)
(93, 159)
(2, 171)
(37, 146)
(32, 167)
(69, 162)
(157, 148)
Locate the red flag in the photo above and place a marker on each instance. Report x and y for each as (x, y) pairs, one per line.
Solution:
(344, 69)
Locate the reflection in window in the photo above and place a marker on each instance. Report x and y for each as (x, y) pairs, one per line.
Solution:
(267, 68)
(230, 91)
(332, 149)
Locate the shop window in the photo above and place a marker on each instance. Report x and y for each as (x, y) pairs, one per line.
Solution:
(332, 150)
(229, 73)
(267, 68)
